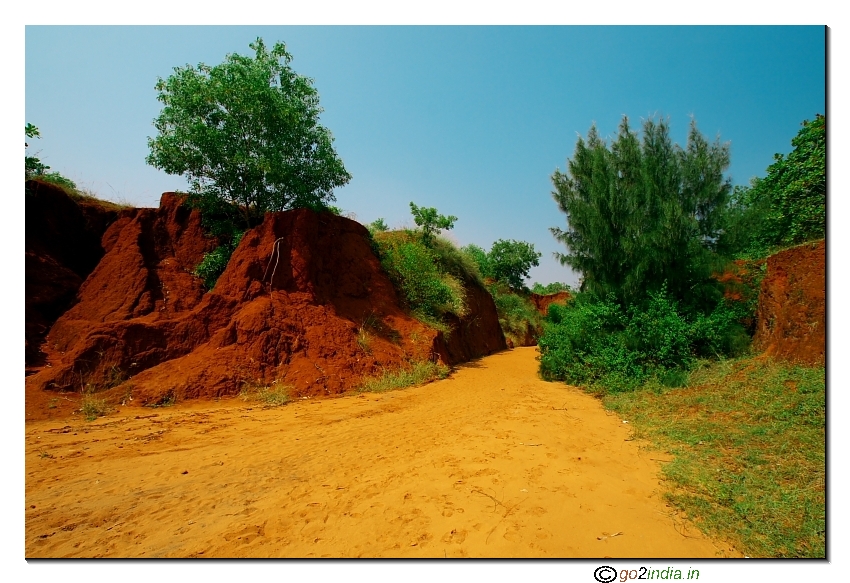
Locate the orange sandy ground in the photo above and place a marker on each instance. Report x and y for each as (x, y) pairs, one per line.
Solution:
(492, 462)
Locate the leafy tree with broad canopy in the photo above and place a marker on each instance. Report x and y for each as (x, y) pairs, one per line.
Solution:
(507, 261)
(510, 261)
(246, 135)
(786, 207)
(642, 212)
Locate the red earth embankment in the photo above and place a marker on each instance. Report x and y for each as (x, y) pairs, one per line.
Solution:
(791, 321)
(542, 302)
(63, 246)
(303, 302)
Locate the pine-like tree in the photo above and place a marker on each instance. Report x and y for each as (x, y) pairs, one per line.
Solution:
(643, 212)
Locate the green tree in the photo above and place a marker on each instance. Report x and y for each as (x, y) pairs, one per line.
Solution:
(510, 261)
(786, 207)
(378, 226)
(643, 212)
(551, 288)
(480, 257)
(430, 222)
(246, 135)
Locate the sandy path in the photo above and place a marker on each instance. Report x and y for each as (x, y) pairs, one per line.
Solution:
(491, 462)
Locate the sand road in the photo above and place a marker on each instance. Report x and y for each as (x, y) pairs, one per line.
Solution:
(492, 462)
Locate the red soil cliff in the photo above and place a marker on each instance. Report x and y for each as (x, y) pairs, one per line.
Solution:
(542, 302)
(791, 321)
(303, 302)
(63, 246)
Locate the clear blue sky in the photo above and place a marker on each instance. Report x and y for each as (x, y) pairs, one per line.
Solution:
(471, 120)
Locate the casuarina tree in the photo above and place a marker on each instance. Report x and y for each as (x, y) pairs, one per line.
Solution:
(644, 212)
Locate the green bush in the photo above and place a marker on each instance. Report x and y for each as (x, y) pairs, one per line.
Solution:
(59, 180)
(598, 343)
(214, 263)
(377, 226)
(721, 333)
(423, 276)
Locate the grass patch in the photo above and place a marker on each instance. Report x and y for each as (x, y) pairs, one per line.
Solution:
(93, 407)
(364, 340)
(76, 193)
(748, 439)
(417, 374)
(273, 395)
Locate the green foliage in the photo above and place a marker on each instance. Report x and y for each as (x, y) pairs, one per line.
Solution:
(510, 261)
(480, 257)
(644, 212)
(430, 223)
(596, 342)
(36, 169)
(31, 131)
(551, 288)
(518, 317)
(507, 261)
(505, 265)
(59, 180)
(246, 135)
(788, 206)
(425, 282)
(377, 226)
(454, 261)
(214, 263)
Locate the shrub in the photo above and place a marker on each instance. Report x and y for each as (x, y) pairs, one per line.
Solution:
(507, 261)
(510, 261)
(480, 258)
(426, 286)
(377, 226)
(59, 180)
(214, 263)
(455, 262)
(720, 333)
(600, 344)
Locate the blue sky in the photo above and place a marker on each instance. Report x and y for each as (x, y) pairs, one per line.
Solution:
(471, 120)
